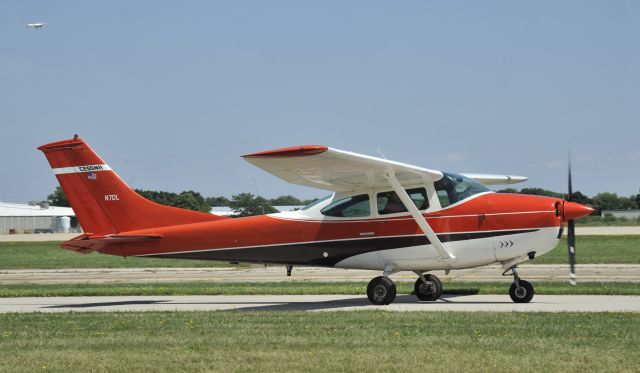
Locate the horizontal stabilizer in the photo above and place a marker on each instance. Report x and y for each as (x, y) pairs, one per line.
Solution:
(88, 243)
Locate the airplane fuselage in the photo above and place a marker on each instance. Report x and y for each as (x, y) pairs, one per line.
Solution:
(483, 229)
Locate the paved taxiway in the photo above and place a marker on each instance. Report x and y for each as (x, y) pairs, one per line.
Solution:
(469, 303)
(541, 272)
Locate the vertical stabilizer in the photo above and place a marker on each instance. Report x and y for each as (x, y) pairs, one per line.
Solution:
(103, 203)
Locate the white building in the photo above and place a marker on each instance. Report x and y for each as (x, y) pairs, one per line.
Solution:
(18, 218)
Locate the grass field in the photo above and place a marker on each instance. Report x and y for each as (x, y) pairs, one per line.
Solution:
(47, 255)
(365, 341)
(299, 288)
(596, 250)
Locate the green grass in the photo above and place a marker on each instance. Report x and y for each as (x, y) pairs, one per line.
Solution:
(365, 341)
(596, 250)
(298, 288)
(48, 255)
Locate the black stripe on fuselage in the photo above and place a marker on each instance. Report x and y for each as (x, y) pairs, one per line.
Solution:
(313, 253)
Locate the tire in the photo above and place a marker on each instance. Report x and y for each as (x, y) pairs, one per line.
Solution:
(523, 294)
(428, 292)
(381, 290)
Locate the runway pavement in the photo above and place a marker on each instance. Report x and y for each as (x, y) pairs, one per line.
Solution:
(466, 303)
(548, 272)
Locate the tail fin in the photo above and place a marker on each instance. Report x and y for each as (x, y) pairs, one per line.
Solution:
(103, 203)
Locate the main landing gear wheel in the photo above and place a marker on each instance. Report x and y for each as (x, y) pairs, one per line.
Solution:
(381, 290)
(428, 290)
(521, 291)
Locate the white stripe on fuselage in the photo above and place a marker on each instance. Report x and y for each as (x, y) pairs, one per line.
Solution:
(282, 216)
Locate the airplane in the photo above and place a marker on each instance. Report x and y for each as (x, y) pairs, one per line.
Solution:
(382, 215)
(35, 25)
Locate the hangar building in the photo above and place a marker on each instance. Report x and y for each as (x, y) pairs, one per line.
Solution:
(19, 218)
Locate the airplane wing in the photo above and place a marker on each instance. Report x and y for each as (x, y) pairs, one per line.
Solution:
(497, 179)
(336, 170)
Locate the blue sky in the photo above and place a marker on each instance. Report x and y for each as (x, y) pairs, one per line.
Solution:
(170, 94)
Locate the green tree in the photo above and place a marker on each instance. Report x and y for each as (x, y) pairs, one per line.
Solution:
(541, 192)
(163, 198)
(193, 201)
(187, 200)
(578, 197)
(611, 201)
(508, 190)
(58, 198)
(308, 201)
(287, 200)
(217, 201)
(246, 204)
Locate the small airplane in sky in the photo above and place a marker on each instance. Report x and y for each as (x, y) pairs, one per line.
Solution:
(382, 215)
(35, 25)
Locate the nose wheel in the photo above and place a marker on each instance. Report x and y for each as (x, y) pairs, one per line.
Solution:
(521, 291)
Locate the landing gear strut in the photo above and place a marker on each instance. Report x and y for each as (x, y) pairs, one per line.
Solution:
(521, 291)
(427, 287)
(381, 290)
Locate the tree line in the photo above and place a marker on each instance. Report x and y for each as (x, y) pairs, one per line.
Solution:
(243, 204)
(247, 204)
(601, 201)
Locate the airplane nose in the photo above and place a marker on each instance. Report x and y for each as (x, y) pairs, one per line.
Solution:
(573, 211)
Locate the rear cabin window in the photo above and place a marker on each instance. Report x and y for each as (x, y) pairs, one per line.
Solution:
(390, 203)
(350, 207)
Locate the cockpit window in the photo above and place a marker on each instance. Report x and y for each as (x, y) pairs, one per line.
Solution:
(453, 188)
(350, 207)
(390, 203)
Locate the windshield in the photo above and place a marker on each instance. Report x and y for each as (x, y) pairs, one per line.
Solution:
(454, 188)
(316, 201)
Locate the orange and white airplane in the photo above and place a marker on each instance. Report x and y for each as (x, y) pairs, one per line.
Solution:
(382, 215)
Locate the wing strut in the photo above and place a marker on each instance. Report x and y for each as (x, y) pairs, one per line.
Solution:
(417, 216)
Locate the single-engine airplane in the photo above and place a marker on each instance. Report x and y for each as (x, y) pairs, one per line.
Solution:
(382, 215)
(35, 25)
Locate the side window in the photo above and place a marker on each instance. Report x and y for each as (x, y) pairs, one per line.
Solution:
(390, 203)
(350, 207)
(443, 196)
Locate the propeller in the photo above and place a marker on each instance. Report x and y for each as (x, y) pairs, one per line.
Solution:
(570, 212)
(571, 233)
